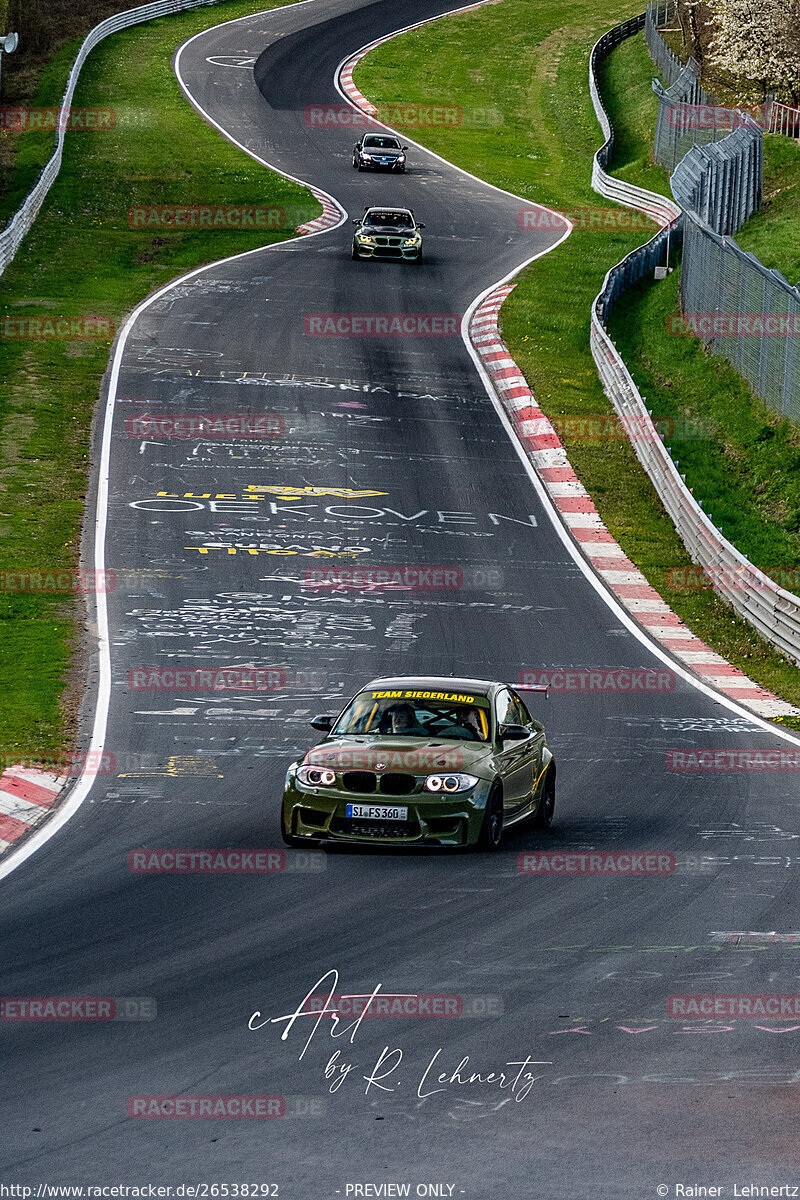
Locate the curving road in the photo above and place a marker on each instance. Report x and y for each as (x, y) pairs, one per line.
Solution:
(572, 973)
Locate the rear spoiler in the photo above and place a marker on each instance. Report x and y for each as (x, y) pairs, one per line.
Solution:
(534, 687)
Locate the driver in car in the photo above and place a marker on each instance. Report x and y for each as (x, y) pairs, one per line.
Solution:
(468, 725)
(403, 719)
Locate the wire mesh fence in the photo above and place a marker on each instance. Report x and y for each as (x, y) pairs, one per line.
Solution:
(725, 281)
(658, 14)
(742, 310)
(687, 116)
(723, 184)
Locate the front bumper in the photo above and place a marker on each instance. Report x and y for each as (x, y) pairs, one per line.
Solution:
(370, 165)
(392, 253)
(320, 814)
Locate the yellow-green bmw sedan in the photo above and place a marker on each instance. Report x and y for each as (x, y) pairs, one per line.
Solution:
(422, 761)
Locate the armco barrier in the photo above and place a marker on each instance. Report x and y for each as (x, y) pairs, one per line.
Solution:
(20, 223)
(772, 611)
(658, 207)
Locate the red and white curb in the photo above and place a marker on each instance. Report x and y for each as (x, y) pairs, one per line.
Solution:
(26, 798)
(549, 459)
(331, 215)
(350, 89)
(345, 73)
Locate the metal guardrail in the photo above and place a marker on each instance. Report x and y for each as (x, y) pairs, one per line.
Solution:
(770, 609)
(658, 207)
(11, 237)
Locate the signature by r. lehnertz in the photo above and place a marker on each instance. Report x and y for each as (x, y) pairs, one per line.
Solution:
(515, 1077)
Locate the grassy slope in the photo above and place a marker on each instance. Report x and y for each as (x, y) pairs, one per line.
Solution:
(543, 150)
(82, 258)
(773, 234)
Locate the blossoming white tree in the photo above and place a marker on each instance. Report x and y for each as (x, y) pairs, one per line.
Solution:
(757, 41)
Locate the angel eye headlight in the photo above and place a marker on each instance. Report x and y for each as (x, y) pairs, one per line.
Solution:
(316, 776)
(451, 783)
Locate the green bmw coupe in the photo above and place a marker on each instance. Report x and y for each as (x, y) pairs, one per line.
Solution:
(422, 761)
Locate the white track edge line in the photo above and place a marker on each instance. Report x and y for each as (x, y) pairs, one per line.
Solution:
(588, 571)
(78, 794)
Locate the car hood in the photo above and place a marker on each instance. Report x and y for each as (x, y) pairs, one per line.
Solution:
(413, 755)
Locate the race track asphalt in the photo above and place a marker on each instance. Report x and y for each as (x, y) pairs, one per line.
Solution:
(572, 973)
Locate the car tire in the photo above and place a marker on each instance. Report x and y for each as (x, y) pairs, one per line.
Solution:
(547, 805)
(360, 166)
(354, 254)
(491, 834)
(418, 258)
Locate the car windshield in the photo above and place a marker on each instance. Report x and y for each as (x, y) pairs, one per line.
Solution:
(393, 220)
(381, 143)
(411, 713)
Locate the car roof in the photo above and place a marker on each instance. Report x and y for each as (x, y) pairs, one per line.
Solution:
(439, 683)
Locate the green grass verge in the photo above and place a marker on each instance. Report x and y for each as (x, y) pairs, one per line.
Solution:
(532, 64)
(82, 258)
(773, 233)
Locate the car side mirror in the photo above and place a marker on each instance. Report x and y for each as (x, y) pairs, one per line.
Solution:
(512, 733)
(404, 147)
(421, 225)
(356, 221)
(324, 724)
